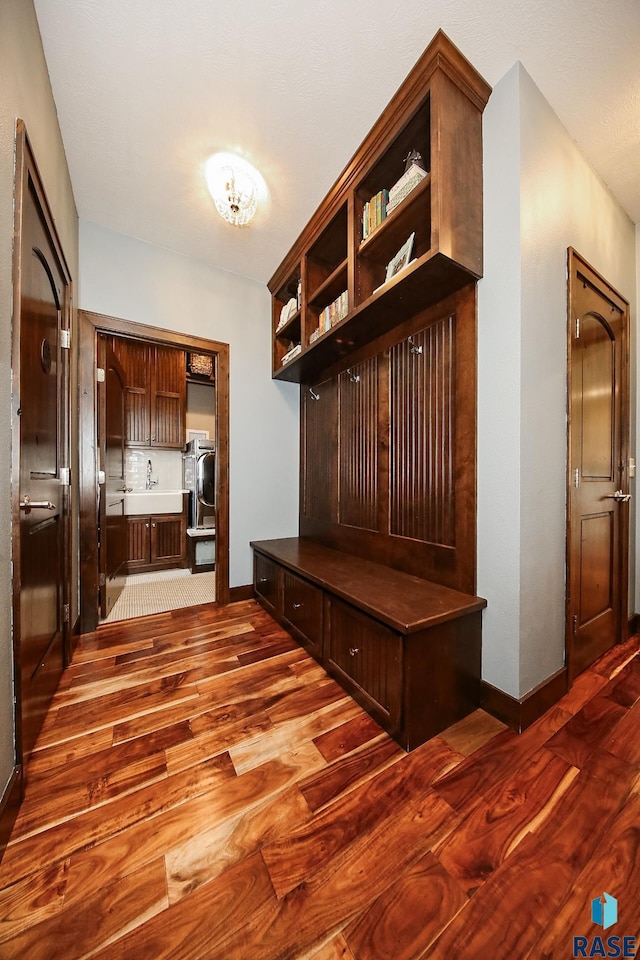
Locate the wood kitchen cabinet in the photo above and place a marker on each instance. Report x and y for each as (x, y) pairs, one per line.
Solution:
(157, 542)
(155, 393)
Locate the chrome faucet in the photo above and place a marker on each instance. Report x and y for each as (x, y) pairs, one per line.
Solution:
(150, 482)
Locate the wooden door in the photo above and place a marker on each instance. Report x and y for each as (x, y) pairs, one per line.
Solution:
(168, 397)
(134, 355)
(597, 549)
(168, 539)
(111, 438)
(40, 455)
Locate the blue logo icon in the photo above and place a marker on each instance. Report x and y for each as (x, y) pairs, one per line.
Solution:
(604, 911)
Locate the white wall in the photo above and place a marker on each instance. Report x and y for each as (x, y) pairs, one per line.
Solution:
(499, 390)
(137, 281)
(25, 92)
(561, 203)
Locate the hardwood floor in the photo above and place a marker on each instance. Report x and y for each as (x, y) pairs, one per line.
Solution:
(201, 789)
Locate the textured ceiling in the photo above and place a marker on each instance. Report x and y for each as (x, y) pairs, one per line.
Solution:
(146, 90)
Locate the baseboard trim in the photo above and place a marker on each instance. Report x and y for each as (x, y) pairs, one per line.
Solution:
(520, 714)
(9, 806)
(241, 593)
(634, 624)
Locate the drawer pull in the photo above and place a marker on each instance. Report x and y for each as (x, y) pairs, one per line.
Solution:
(263, 580)
(353, 651)
(297, 606)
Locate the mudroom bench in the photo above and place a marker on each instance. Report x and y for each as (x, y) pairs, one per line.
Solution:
(408, 650)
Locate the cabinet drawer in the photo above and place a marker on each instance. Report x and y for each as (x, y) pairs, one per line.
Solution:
(265, 580)
(369, 656)
(302, 608)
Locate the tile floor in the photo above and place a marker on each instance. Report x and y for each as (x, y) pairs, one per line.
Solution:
(147, 593)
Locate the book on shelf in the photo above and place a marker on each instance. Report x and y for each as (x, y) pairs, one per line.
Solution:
(401, 259)
(286, 313)
(374, 212)
(332, 314)
(407, 182)
(293, 352)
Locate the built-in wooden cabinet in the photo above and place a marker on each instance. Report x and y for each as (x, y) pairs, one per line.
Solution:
(437, 113)
(406, 649)
(374, 312)
(155, 393)
(157, 542)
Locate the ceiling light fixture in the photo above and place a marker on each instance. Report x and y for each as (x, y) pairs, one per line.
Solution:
(235, 186)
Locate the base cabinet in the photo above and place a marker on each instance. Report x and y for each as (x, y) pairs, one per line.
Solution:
(366, 657)
(156, 543)
(414, 676)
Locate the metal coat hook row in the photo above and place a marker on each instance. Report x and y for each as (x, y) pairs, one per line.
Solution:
(314, 396)
(353, 376)
(414, 347)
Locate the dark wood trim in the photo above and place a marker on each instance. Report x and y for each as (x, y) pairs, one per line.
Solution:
(9, 807)
(90, 325)
(520, 714)
(634, 624)
(245, 592)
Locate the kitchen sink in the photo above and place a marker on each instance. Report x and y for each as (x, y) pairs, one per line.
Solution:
(148, 502)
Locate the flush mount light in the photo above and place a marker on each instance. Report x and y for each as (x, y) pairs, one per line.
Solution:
(235, 186)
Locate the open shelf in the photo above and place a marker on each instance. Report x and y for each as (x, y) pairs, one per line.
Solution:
(436, 113)
(420, 285)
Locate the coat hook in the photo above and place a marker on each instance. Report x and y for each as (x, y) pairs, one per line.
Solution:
(414, 347)
(353, 376)
(314, 396)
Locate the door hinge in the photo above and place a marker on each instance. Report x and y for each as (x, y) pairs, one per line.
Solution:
(100, 374)
(65, 476)
(577, 328)
(65, 338)
(102, 580)
(102, 477)
(65, 613)
(576, 477)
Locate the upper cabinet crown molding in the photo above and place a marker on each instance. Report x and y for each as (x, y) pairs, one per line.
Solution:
(345, 290)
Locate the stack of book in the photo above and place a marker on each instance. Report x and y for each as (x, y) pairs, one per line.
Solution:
(407, 182)
(374, 212)
(293, 352)
(331, 315)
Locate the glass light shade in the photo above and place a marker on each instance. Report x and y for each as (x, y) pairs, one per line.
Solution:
(233, 184)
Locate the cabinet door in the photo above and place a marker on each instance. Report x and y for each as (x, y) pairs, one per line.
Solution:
(265, 580)
(367, 656)
(302, 607)
(138, 541)
(134, 357)
(168, 397)
(168, 538)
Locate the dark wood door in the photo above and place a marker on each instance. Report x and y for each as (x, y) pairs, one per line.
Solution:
(598, 482)
(41, 561)
(168, 398)
(168, 539)
(111, 435)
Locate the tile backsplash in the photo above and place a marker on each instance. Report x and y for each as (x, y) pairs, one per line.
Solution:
(166, 468)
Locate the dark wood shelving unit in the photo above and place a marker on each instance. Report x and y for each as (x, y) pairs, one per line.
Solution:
(438, 112)
(380, 584)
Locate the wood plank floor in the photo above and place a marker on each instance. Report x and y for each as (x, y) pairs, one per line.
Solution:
(201, 789)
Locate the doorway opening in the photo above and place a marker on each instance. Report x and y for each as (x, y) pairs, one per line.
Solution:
(140, 551)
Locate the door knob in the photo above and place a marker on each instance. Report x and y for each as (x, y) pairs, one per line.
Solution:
(618, 496)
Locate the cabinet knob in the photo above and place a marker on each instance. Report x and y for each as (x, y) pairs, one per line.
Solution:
(147, 525)
(263, 580)
(297, 606)
(153, 524)
(353, 651)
